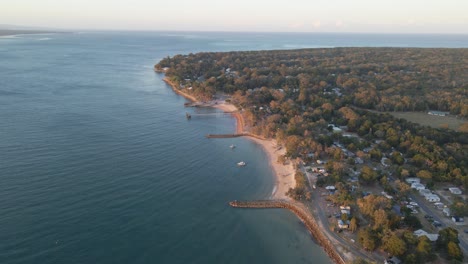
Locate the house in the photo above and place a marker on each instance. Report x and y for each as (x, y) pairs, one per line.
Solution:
(457, 219)
(438, 113)
(418, 186)
(413, 180)
(425, 192)
(387, 195)
(335, 128)
(455, 190)
(343, 224)
(431, 237)
(358, 160)
(345, 210)
(392, 260)
(433, 198)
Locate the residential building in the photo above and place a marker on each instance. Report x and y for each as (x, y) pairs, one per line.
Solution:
(431, 237)
(455, 190)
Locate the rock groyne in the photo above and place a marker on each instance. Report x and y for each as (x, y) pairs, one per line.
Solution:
(301, 213)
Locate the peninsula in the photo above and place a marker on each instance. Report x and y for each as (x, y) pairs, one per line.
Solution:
(373, 182)
(14, 32)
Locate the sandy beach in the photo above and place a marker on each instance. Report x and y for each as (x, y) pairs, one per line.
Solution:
(284, 174)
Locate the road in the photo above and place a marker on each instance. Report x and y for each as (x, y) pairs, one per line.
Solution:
(423, 204)
(317, 210)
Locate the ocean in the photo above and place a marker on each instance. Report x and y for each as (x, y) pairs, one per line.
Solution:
(98, 163)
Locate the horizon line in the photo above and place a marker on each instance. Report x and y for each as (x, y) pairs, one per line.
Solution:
(26, 27)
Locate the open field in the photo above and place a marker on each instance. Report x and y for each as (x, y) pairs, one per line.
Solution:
(430, 120)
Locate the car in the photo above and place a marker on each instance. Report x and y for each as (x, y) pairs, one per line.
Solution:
(466, 231)
(428, 216)
(437, 224)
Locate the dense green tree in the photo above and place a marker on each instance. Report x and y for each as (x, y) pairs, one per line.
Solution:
(368, 175)
(454, 251)
(394, 245)
(367, 239)
(424, 247)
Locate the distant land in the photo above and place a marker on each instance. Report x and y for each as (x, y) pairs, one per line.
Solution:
(9, 30)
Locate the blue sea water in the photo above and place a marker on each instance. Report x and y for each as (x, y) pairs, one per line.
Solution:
(99, 165)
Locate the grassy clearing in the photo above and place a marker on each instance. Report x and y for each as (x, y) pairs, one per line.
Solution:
(425, 119)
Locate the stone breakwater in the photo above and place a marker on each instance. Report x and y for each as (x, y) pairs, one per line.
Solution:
(302, 214)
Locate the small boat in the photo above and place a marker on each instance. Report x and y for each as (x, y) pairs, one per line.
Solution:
(241, 164)
(232, 146)
(188, 116)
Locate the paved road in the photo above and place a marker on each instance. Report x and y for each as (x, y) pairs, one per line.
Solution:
(318, 211)
(435, 214)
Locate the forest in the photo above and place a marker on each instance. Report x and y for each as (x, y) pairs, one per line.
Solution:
(293, 96)
(383, 79)
(329, 104)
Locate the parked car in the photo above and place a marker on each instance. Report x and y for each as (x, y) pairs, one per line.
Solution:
(428, 216)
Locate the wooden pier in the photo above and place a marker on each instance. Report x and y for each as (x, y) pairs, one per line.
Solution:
(303, 215)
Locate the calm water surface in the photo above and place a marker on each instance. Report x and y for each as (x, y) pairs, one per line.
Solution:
(99, 165)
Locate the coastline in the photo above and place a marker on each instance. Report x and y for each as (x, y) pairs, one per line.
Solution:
(8, 33)
(283, 174)
(284, 179)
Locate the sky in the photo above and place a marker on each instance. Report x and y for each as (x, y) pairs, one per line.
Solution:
(364, 16)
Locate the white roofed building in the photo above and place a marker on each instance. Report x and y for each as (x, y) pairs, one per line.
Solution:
(433, 198)
(413, 180)
(455, 190)
(432, 237)
(418, 186)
